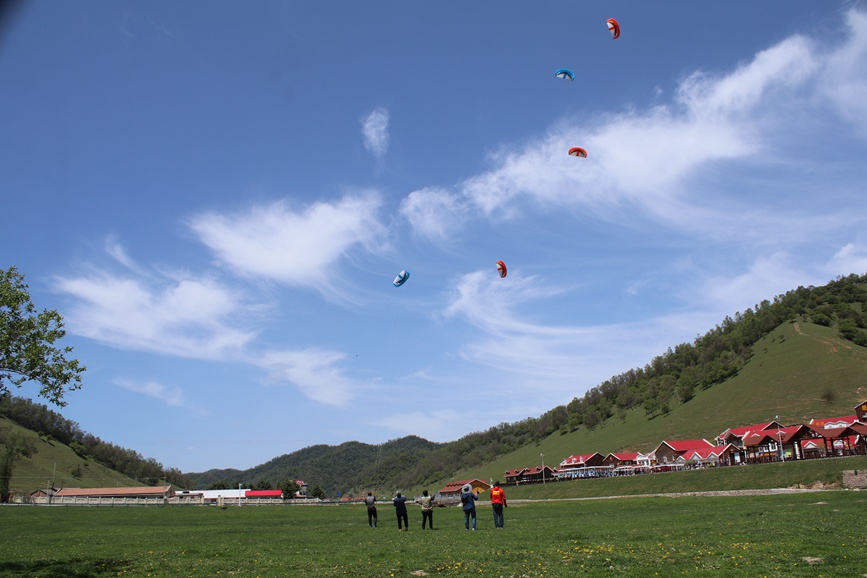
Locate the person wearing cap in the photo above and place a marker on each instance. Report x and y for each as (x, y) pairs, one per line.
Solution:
(400, 509)
(427, 506)
(498, 502)
(468, 501)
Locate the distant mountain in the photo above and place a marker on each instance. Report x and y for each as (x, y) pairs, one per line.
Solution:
(351, 465)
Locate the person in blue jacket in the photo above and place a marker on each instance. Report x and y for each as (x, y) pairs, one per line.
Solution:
(468, 502)
(400, 509)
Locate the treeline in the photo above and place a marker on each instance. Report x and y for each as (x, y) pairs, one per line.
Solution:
(675, 376)
(50, 425)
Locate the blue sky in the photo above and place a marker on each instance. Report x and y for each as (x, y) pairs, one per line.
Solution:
(217, 197)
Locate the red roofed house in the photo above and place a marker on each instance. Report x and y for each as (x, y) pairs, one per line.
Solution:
(621, 459)
(583, 466)
(834, 422)
(668, 451)
(841, 441)
(735, 435)
(775, 444)
(715, 456)
(454, 488)
(514, 476)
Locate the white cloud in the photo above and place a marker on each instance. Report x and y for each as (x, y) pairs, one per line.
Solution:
(374, 129)
(434, 213)
(852, 258)
(314, 372)
(169, 396)
(187, 317)
(843, 80)
(652, 163)
(292, 247)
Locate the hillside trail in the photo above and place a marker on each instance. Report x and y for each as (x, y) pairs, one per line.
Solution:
(832, 346)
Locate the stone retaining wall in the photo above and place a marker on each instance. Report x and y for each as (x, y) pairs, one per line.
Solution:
(855, 478)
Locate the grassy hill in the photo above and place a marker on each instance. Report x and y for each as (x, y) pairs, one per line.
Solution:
(55, 463)
(798, 372)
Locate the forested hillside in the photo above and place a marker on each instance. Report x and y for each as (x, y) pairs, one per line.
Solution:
(53, 427)
(668, 381)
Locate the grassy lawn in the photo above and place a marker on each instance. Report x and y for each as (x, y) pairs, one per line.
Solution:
(816, 534)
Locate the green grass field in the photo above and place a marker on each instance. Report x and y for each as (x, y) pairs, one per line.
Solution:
(814, 534)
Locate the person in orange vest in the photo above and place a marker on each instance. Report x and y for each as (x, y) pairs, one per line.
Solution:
(498, 502)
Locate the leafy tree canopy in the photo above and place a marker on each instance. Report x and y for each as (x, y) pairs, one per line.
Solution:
(27, 350)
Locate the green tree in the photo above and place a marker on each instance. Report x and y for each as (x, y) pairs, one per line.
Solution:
(27, 351)
(288, 487)
(317, 492)
(13, 446)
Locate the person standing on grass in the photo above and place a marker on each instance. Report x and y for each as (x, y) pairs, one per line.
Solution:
(370, 501)
(468, 502)
(498, 502)
(400, 510)
(426, 503)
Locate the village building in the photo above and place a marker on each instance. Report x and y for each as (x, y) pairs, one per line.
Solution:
(834, 422)
(668, 452)
(776, 444)
(159, 492)
(620, 459)
(709, 457)
(736, 435)
(841, 441)
(583, 466)
(454, 488)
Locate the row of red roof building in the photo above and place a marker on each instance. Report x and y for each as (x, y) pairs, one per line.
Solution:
(757, 443)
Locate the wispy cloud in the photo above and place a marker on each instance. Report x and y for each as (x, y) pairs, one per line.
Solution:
(374, 130)
(170, 396)
(293, 247)
(658, 163)
(315, 372)
(433, 213)
(183, 317)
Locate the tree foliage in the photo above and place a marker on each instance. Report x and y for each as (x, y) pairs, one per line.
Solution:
(27, 350)
(13, 446)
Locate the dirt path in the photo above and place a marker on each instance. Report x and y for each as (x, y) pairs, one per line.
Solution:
(719, 493)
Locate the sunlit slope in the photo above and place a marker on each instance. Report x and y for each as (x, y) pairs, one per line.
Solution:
(56, 463)
(798, 372)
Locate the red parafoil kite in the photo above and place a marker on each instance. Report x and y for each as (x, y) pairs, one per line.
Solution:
(614, 28)
(501, 268)
(578, 152)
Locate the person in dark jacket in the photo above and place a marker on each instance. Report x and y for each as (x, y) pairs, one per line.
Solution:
(400, 510)
(468, 503)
